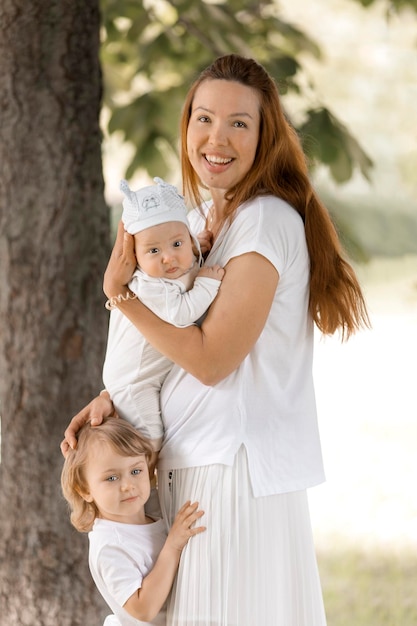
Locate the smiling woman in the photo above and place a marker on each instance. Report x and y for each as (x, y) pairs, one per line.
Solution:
(222, 137)
(238, 406)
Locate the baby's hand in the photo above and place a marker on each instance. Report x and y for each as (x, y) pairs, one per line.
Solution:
(181, 530)
(215, 271)
(205, 239)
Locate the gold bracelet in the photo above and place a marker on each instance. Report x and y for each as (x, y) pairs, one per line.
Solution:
(115, 300)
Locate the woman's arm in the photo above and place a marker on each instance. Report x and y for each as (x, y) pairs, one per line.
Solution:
(232, 326)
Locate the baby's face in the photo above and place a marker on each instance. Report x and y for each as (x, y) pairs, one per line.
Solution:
(165, 250)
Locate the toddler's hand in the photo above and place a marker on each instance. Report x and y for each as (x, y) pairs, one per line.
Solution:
(215, 271)
(182, 528)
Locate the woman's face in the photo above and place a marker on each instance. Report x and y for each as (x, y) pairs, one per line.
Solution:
(223, 132)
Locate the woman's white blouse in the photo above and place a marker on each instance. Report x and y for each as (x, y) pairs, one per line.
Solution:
(268, 403)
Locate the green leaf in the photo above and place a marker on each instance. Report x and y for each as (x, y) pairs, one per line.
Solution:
(326, 140)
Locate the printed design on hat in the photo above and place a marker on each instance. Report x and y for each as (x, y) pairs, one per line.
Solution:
(150, 202)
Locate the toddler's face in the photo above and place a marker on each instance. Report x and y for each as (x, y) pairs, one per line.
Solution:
(118, 485)
(165, 250)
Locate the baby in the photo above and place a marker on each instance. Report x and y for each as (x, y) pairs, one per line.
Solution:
(170, 281)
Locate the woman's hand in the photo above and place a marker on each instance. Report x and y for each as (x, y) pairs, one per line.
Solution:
(121, 265)
(100, 407)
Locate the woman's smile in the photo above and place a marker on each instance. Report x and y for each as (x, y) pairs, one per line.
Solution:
(217, 161)
(223, 133)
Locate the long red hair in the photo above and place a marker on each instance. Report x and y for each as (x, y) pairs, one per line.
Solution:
(280, 168)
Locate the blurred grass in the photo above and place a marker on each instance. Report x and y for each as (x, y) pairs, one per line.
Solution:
(369, 587)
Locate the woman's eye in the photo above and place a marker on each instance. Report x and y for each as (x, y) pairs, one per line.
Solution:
(203, 118)
(240, 124)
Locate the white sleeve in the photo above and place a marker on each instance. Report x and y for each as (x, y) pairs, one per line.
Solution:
(175, 306)
(117, 575)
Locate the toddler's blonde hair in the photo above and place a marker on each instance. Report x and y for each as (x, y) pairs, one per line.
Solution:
(123, 437)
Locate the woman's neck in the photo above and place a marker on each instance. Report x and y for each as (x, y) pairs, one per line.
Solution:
(219, 201)
(214, 222)
(215, 214)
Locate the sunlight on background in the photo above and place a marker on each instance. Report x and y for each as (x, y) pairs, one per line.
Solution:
(367, 414)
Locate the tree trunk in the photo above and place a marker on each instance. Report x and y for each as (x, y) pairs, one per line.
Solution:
(54, 244)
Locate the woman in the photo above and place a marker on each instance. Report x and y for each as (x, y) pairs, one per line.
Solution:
(239, 412)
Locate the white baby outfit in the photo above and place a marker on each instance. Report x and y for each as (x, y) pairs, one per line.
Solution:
(133, 370)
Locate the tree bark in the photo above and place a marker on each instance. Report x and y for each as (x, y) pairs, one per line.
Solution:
(54, 244)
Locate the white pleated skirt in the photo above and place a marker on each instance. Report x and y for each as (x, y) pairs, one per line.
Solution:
(255, 565)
